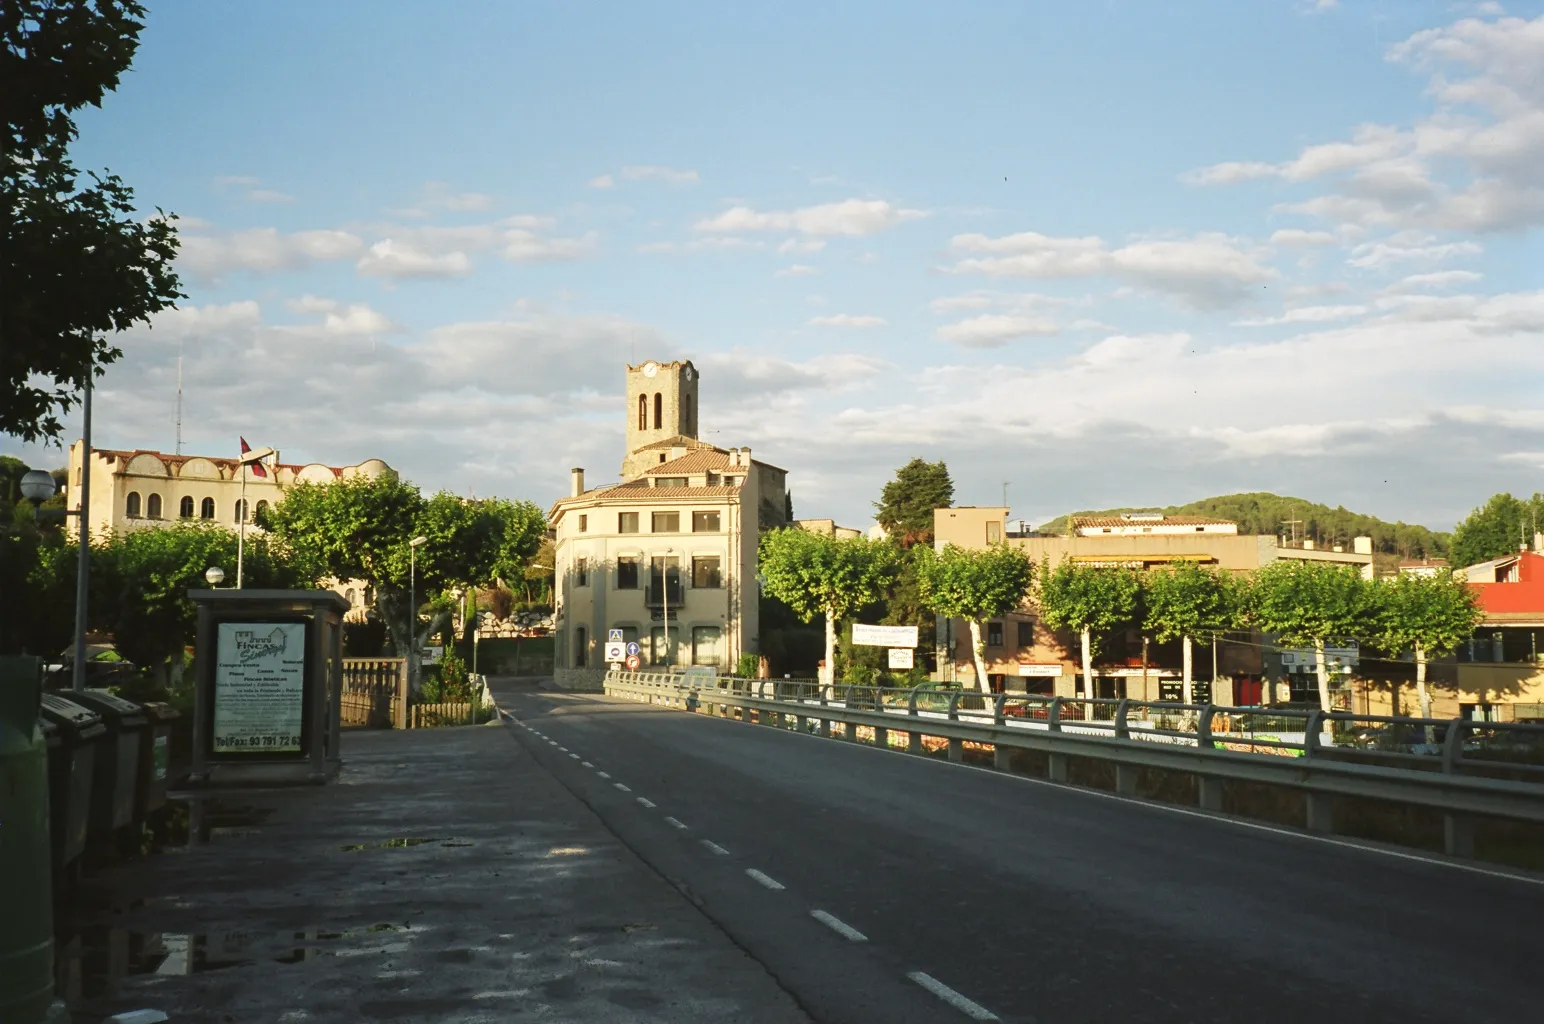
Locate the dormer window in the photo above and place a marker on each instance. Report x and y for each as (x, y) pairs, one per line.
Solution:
(670, 481)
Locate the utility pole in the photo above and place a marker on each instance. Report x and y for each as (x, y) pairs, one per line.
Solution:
(83, 567)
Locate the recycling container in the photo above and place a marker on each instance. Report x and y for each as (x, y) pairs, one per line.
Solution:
(71, 774)
(118, 765)
(155, 759)
(26, 923)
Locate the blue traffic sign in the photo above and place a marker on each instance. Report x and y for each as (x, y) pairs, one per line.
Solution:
(633, 648)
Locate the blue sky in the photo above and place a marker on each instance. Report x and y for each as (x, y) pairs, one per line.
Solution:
(1113, 252)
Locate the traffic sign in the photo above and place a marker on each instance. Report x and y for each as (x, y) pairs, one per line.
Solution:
(901, 657)
(633, 661)
(616, 650)
(633, 650)
(615, 634)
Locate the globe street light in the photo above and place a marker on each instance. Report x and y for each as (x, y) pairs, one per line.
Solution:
(251, 458)
(214, 576)
(412, 608)
(38, 485)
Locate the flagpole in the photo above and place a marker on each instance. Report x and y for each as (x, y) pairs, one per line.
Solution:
(241, 528)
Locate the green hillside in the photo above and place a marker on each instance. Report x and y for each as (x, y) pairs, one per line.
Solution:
(1262, 512)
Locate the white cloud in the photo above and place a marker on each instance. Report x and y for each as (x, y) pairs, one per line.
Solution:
(311, 305)
(392, 259)
(250, 189)
(949, 303)
(991, 330)
(648, 172)
(850, 217)
(847, 320)
(263, 250)
(521, 246)
(356, 319)
(1304, 315)
(1205, 272)
(1299, 237)
(1488, 124)
(1436, 279)
(268, 195)
(744, 374)
(603, 181)
(1382, 254)
(801, 245)
(796, 270)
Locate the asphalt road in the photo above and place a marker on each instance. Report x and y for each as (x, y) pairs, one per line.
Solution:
(1030, 901)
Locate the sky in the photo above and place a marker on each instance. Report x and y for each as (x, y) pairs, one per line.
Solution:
(1112, 253)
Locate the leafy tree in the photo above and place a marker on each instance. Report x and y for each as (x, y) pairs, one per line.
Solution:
(1088, 600)
(819, 575)
(141, 580)
(1496, 528)
(77, 262)
(1187, 602)
(906, 504)
(975, 585)
(1307, 604)
(359, 529)
(1426, 615)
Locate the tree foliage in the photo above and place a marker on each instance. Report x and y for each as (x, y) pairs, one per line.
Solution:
(1426, 615)
(905, 506)
(77, 260)
(1186, 600)
(975, 585)
(1496, 528)
(1086, 598)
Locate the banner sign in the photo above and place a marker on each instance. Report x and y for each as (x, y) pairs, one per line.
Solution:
(259, 687)
(884, 636)
(901, 657)
(1040, 670)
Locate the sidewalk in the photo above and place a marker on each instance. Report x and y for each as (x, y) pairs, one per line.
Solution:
(445, 877)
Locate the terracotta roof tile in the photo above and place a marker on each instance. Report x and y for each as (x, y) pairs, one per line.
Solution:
(1103, 521)
(695, 462)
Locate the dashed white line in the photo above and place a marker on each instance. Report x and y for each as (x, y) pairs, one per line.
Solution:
(552, 743)
(574, 756)
(973, 1010)
(646, 802)
(839, 926)
(587, 764)
(604, 775)
(710, 844)
(623, 788)
(674, 823)
(563, 749)
(766, 880)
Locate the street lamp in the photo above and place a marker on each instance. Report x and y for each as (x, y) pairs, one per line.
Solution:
(251, 458)
(37, 486)
(665, 597)
(412, 607)
(214, 576)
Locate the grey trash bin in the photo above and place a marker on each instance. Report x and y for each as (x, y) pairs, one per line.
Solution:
(71, 773)
(118, 766)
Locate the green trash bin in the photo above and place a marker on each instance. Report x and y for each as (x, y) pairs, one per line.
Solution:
(71, 774)
(155, 758)
(116, 786)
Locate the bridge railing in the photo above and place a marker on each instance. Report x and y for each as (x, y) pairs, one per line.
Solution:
(1461, 768)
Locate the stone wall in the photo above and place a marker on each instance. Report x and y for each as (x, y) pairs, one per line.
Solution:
(519, 624)
(581, 680)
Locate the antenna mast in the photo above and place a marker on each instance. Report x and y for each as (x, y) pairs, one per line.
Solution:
(179, 398)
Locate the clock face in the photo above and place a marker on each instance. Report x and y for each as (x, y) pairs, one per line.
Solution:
(689, 373)
(650, 368)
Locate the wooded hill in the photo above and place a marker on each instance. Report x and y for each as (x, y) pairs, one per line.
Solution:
(1262, 512)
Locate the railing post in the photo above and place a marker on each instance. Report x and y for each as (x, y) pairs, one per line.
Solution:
(399, 716)
(997, 708)
(1311, 733)
(1204, 728)
(956, 746)
(1457, 829)
(913, 738)
(1121, 730)
(1125, 774)
(1053, 717)
(1320, 814)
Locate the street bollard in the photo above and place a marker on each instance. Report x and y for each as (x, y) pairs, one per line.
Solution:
(27, 926)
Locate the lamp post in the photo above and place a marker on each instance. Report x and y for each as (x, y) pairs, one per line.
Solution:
(37, 486)
(412, 609)
(251, 458)
(214, 576)
(665, 596)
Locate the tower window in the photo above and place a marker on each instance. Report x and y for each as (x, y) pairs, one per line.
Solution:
(131, 506)
(643, 412)
(659, 410)
(686, 414)
(185, 508)
(206, 509)
(153, 507)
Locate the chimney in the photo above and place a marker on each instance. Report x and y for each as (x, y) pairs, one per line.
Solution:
(1538, 543)
(577, 488)
(1308, 545)
(1361, 545)
(745, 457)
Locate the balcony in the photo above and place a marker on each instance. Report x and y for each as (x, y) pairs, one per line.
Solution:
(656, 594)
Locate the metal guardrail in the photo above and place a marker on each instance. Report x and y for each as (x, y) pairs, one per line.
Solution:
(1460, 768)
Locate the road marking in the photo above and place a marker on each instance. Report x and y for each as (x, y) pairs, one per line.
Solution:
(710, 844)
(552, 743)
(674, 823)
(766, 880)
(574, 756)
(563, 749)
(604, 775)
(646, 802)
(587, 764)
(623, 788)
(973, 1010)
(841, 927)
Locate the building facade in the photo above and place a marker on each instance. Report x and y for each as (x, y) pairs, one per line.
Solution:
(1025, 655)
(667, 557)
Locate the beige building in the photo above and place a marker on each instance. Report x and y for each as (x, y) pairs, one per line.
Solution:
(1022, 654)
(668, 556)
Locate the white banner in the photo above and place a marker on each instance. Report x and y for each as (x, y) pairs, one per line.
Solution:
(884, 636)
(1040, 670)
(901, 657)
(259, 687)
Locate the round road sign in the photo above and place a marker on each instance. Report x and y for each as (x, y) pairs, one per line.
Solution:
(633, 648)
(633, 661)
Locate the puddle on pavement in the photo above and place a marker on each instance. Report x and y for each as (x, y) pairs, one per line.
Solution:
(193, 819)
(89, 962)
(402, 842)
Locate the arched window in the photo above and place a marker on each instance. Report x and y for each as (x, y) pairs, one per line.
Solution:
(153, 507)
(659, 410)
(241, 510)
(262, 507)
(581, 647)
(206, 509)
(185, 508)
(686, 412)
(131, 507)
(643, 412)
